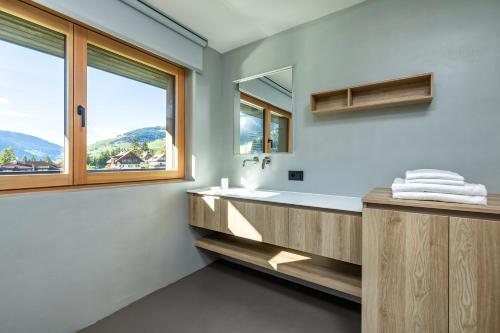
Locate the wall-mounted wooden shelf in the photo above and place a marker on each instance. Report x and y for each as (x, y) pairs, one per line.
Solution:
(330, 273)
(405, 91)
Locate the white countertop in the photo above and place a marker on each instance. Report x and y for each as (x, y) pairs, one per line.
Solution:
(326, 201)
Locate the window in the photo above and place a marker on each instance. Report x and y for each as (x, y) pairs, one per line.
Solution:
(251, 128)
(77, 107)
(279, 132)
(264, 128)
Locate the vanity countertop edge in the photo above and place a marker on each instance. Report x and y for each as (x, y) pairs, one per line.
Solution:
(302, 199)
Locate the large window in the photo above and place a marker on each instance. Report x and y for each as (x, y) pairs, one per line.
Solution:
(77, 107)
(264, 128)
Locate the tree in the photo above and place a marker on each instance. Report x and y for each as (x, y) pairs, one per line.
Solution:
(134, 146)
(7, 155)
(47, 159)
(25, 159)
(144, 147)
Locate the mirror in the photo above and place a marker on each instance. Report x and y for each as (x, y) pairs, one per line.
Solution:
(263, 113)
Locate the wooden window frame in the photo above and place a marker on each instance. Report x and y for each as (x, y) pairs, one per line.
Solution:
(268, 109)
(60, 25)
(75, 172)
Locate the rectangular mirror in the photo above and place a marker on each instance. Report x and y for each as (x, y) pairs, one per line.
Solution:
(263, 106)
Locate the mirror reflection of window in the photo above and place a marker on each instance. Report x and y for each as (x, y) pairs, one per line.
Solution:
(251, 129)
(279, 133)
(263, 113)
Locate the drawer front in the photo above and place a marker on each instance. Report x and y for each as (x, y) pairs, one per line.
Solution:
(405, 272)
(263, 223)
(204, 212)
(331, 235)
(474, 275)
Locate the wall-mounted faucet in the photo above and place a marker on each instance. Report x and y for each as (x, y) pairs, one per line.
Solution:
(254, 160)
(266, 161)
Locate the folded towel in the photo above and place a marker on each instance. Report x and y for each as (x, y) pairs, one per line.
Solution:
(456, 198)
(436, 181)
(433, 174)
(400, 185)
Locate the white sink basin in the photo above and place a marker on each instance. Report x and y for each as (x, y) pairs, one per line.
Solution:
(244, 192)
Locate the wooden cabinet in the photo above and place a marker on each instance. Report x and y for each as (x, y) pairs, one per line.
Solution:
(405, 272)
(474, 275)
(204, 212)
(327, 234)
(430, 266)
(259, 222)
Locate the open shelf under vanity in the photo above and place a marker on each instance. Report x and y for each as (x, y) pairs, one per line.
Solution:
(326, 272)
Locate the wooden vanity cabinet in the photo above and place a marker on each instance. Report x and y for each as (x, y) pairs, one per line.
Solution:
(328, 234)
(259, 222)
(205, 211)
(259, 233)
(430, 266)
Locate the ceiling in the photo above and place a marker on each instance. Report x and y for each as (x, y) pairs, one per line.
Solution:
(228, 24)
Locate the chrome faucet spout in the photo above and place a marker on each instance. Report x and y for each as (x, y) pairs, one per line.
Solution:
(254, 160)
(266, 161)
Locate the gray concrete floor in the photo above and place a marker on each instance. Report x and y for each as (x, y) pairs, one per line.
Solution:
(226, 297)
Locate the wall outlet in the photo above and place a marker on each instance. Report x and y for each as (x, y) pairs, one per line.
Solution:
(296, 175)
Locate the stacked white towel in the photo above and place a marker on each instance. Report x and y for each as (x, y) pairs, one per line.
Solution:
(438, 185)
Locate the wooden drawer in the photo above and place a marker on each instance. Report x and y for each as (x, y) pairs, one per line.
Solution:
(327, 234)
(204, 211)
(259, 222)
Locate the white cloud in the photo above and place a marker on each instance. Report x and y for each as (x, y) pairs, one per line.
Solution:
(5, 100)
(11, 113)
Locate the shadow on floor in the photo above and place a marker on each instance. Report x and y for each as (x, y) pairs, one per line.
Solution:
(226, 297)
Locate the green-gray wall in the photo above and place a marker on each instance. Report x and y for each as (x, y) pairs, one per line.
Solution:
(71, 258)
(350, 154)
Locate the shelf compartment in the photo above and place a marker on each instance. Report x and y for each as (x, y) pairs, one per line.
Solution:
(330, 100)
(399, 92)
(330, 273)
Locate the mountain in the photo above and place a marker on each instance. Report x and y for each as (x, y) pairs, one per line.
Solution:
(151, 135)
(29, 146)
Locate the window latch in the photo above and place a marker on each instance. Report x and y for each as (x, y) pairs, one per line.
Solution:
(271, 143)
(81, 112)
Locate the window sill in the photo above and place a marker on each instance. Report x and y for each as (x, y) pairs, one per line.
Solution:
(68, 188)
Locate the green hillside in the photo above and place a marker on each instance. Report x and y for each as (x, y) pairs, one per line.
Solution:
(147, 139)
(153, 136)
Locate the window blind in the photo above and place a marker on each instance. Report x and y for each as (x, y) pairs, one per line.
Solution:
(27, 34)
(113, 63)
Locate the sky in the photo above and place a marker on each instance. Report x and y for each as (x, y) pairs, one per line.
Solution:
(32, 98)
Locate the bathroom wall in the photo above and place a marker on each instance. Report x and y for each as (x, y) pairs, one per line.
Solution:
(70, 258)
(349, 154)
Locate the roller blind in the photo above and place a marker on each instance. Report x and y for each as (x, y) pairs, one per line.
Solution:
(113, 63)
(27, 34)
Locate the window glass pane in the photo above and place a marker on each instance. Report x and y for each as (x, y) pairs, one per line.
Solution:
(130, 115)
(279, 133)
(251, 129)
(32, 98)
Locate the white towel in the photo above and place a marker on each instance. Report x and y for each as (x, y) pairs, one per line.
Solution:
(436, 181)
(464, 199)
(433, 174)
(400, 185)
